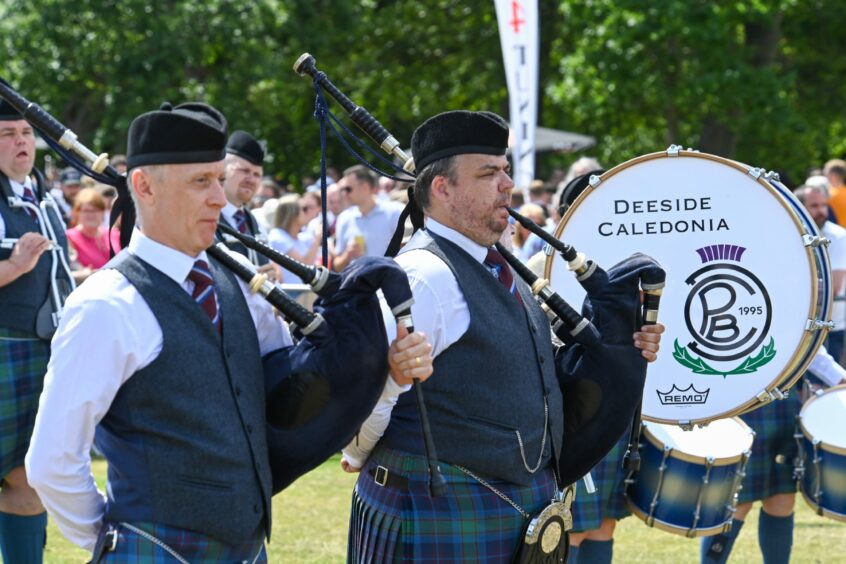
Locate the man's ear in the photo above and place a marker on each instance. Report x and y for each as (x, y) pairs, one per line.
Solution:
(440, 189)
(141, 184)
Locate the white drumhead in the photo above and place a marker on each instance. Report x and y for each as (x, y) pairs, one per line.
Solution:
(823, 418)
(723, 438)
(741, 284)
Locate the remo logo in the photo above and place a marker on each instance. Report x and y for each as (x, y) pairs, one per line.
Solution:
(728, 314)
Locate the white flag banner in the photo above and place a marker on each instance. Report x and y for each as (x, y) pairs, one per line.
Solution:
(518, 34)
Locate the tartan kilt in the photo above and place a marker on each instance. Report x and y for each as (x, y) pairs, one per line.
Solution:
(774, 425)
(192, 546)
(608, 502)
(23, 363)
(469, 524)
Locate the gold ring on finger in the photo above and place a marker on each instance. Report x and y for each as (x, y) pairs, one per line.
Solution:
(417, 359)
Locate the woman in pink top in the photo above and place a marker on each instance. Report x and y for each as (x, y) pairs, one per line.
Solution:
(88, 241)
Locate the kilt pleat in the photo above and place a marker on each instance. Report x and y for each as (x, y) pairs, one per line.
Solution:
(468, 524)
(608, 502)
(774, 425)
(23, 364)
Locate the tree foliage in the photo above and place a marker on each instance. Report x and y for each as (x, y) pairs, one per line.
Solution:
(759, 81)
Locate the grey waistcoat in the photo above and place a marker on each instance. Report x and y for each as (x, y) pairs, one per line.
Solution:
(488, 389)
(185, 435)
(21, 299)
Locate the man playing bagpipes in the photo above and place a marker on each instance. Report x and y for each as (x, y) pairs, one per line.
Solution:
(32, 291)
(158, 361)
(507, 438)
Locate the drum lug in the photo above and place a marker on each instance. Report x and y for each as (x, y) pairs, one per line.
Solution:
(814, 240)
(817, 325)
(778, 394)
(548, 250)
(686, 425)
(764, 396)
(673, 150)
(594, 180)
(773, 175)
(756, 172)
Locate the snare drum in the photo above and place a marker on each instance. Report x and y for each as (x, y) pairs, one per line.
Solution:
(748, 289)
(822, 447)
(688, 480)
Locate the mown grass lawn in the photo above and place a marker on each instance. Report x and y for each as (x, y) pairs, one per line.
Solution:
(310, 526)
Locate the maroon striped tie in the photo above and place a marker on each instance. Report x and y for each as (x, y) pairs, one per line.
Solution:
(240, 221)
(204, 293)
(29, 196)
(499, 268)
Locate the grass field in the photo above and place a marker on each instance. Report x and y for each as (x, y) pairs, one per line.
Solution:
(310, 526)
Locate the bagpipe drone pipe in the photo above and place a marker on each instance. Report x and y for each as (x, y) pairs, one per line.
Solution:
(600, 371)
(318, 391)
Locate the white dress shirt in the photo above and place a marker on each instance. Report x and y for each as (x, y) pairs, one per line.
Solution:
(824, 367)
(17, 190)
(439, 311)
(107, 333)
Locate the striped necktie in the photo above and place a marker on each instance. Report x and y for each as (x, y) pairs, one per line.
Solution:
(499, 268)
(204, 293)
(240, 221)
(29, 196)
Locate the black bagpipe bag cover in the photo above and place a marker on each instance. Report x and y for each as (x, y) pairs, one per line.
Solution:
(603, 384)
(320, 391)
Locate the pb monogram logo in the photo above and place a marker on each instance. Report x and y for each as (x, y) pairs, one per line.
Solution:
(728, 314)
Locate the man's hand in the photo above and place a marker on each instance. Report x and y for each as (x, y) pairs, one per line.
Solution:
(348, 468)
(28, 250)
(648, 340)
(409, 357)
(274, 273)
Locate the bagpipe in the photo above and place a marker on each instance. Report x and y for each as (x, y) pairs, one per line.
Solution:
(319, 391)
(600, 372)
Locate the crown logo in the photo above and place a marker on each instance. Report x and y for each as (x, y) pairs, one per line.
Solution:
(687, 396)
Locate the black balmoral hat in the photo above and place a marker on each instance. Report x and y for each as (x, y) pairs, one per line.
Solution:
(188, 133)
(456, 133)
(7, 111)
(246, 146)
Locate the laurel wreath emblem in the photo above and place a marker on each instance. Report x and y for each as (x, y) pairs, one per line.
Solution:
(749, 365)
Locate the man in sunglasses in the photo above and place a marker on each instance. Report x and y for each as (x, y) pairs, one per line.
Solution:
(366, 227)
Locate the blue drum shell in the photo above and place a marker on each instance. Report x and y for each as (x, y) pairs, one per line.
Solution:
(680, 489)
(830, 473)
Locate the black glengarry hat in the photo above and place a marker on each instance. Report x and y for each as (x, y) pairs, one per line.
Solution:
(188, 133)
(246, 146)
(458, 132)
(7, 111)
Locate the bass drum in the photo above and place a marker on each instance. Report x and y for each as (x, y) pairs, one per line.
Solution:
(748, 291)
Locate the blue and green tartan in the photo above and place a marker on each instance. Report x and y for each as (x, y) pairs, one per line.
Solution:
(196, 548)
(23, 363)
(608, 501)
(468, 524)
(774, 425)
